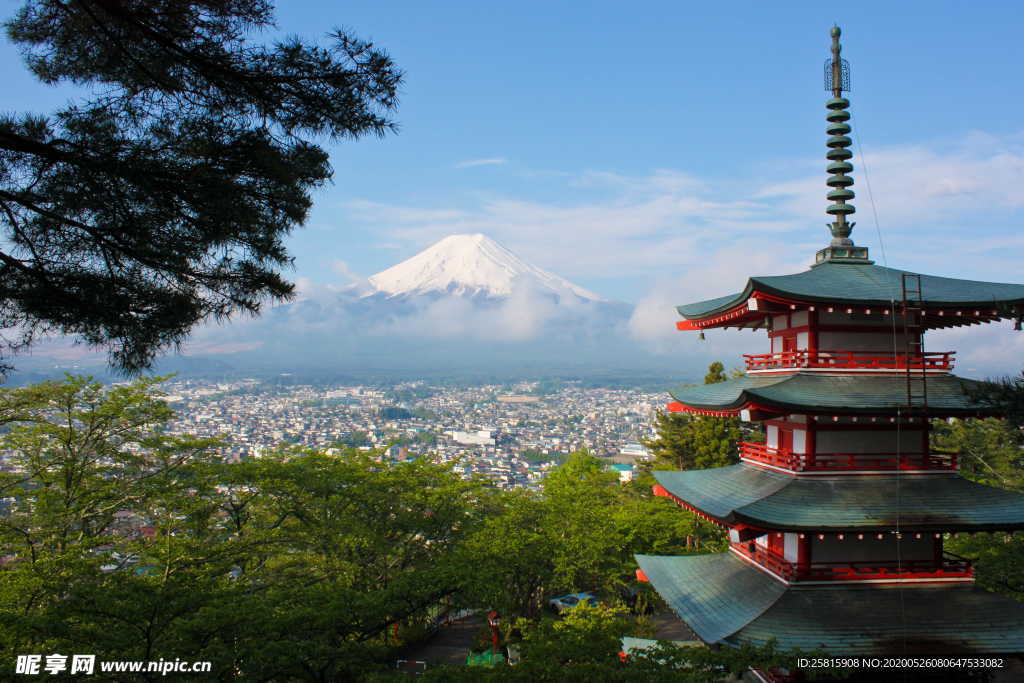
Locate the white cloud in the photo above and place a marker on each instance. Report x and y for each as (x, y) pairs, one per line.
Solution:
(662, 221)
(64, 349)
(948, 207)
(924, 188)
(493, 161)
(521, 317)
(723, 272)
(213, 347)
(987, 351)
(351, 278)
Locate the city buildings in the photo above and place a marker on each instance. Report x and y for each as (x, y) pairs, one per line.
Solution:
(513, 443)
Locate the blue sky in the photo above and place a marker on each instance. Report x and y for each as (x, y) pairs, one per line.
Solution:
(630, 142)
(660, 152)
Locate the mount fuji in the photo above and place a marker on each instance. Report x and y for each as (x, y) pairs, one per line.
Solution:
(464, 306)
(464, 303)
(472, 266)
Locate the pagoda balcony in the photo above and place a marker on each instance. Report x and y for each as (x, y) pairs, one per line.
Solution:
(949, 567)
(937, 361)
(760, 453)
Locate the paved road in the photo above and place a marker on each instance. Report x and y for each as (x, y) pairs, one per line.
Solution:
(450, 645)
(670, 627)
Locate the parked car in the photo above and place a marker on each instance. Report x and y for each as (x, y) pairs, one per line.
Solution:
(565, 602)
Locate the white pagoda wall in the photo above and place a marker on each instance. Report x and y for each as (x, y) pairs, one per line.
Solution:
(795, 319)
(790, 547)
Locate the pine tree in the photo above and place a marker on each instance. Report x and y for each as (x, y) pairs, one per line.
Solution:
(688, 442)
(162, 200)
(716, 373)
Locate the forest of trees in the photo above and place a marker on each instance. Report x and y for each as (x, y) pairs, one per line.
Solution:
(119, 539)
(122, 540)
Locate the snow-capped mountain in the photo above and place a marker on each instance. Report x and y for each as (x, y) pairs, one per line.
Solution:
(473, 266)
(465, 305)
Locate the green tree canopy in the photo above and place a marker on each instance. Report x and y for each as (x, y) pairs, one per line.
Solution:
(394, 413)
(694, 442)
(990, 452)
(716, 373)
(580, 534)
(690, 442)
(122, 540)
(162, 200)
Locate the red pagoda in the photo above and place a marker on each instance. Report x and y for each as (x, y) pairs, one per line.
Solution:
(836, 521)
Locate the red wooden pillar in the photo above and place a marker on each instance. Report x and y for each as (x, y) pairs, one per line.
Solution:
(785, 445)
(803, 554)
(811, 442)
(812, 334)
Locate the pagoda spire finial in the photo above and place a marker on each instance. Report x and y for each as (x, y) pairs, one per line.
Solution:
(837, 80)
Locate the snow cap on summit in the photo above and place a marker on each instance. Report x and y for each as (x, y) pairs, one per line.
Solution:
(471, 265)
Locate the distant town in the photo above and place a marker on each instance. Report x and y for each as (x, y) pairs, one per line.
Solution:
(513, 434)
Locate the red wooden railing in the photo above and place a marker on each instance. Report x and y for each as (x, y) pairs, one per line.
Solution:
(951, 566)
(850, 360)
(846, 462)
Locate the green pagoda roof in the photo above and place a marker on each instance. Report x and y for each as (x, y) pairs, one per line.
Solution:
(820, 393)
(765, 499)
(863, 284)
(703, 590)
(725, 600)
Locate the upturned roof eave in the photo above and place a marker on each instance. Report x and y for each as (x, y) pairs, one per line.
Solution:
(711, 620)
(732, 301)
(949, 525)
(726, 600)
(821, 394)
(760, 284)
(746, 494)
(752, 401)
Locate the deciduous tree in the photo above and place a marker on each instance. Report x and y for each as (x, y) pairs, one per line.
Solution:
(122, 540)
(990, 452)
